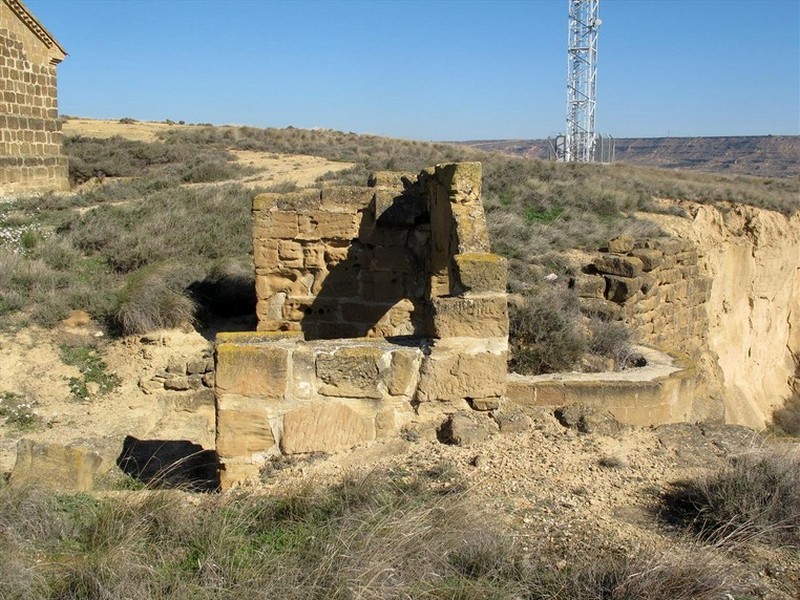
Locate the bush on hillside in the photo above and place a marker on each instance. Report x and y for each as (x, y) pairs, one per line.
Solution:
(756, 495)
(545, 333)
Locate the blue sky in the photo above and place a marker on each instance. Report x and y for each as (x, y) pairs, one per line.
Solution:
(432, 70)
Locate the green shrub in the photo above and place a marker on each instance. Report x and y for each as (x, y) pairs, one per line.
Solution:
(757, 495)
(545, 333)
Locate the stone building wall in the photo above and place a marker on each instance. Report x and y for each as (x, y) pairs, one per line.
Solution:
(656, 287)
(31, 156)
(378, 307)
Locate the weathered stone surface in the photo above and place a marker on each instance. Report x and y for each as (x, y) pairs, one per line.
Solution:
(177, 383)
(403, 371)
(323, 224)
(481, 272)
(394, 209)
(242, 432)
(512, 421)
(650, 257)
(276, 224)
(484, 404)
(196, 366)
(620, 289)
(350, 372)
(290, 253)
(325, 428)
(588, 419)
(479, 317)
(55, 466)
(176, 365)
(251, 370)
(465, 429)
(613, 264)
(460, 372)
(589, 286)
(622, 244)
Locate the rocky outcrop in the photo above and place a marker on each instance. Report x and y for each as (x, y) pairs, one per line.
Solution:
(752, 257)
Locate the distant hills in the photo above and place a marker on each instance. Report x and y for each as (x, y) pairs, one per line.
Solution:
(765, 156)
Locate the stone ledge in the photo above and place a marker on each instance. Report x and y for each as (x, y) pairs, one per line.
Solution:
(661, 392)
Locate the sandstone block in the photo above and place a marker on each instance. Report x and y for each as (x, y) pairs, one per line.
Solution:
(484, 404)
(251, 370)
(622, 244)
(464, 429)
(481, 272)
(321, 224)
(390, 179)
(314, 257)
(265, 254)
(290, 253)
(275, 224)
(350, 372)
(589, 286)
(176, 365)
(669, 276)
(614, 264)
(650, 257)
(55, 466)
(453, 373)
(588, 419)
(479, 317)
(621, 289)
(325, 428)
(243, 432)
(403, 372)
(287, 282)
(179, 383)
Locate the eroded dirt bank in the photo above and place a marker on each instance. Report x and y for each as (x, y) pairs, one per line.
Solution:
(753, 257)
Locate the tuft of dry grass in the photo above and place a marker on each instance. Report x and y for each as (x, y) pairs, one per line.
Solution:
(756, 496)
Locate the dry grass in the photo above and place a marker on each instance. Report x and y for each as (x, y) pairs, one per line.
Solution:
(756, 496)
(377, 537)
(59, 257)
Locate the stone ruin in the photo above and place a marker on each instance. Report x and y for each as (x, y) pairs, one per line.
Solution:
(379, 308)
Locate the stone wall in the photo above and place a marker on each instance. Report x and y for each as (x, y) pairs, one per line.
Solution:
(31, 156)
(378, 307)
(655, 286)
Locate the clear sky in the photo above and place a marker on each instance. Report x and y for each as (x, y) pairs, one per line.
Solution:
(430, 70)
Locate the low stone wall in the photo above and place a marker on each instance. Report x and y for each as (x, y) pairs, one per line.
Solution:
(278, 394)
(655, 286)
(662, 392)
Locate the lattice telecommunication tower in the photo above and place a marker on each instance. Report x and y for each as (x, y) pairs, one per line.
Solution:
(578, 144)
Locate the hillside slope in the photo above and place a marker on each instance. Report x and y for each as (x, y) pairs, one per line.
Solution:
(765, 156)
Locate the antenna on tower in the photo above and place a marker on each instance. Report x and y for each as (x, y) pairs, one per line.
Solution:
(578, 144)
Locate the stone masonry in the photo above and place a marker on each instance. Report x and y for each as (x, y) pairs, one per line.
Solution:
(655, 286)
(31, 157)
(378, 308)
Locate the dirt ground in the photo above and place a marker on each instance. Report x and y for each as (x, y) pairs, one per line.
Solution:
(273, 168)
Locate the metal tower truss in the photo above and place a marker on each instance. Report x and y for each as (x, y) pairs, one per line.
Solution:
(581, 78)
